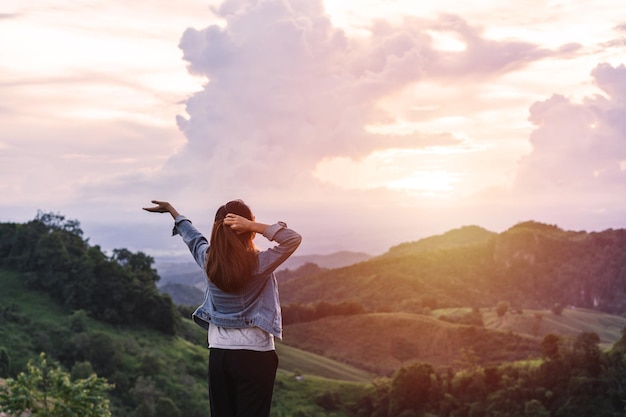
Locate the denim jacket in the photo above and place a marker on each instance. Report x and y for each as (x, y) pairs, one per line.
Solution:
(258, 303)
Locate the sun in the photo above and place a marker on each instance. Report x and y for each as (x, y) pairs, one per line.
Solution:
(422, 173)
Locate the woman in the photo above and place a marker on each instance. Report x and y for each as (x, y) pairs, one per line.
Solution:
(241, 309)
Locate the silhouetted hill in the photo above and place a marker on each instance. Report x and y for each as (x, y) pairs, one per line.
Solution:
(331, 260)
(464, 236)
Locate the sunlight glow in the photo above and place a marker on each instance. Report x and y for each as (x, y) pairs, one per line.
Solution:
(433, 181)
(447, 41)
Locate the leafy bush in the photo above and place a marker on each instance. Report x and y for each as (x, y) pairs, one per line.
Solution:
(46, 390)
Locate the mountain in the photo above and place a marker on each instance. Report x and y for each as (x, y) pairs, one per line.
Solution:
(180, 272)
(174, 271)
(183, 295)
(331, 260)
(531, 265)
(464, 236)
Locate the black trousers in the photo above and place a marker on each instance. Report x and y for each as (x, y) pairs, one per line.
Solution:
(241, 382)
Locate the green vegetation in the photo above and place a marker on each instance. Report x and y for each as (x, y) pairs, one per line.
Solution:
(143, 364)
(383, 342)
(530, 266)
(46, 390)
(422, 331)
(301, 362)
(55, 259)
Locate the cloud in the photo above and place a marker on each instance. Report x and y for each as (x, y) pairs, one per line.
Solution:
(286, 89)
(482, 57)
(579, 147)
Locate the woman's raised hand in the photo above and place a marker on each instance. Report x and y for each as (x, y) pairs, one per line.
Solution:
(162, 207)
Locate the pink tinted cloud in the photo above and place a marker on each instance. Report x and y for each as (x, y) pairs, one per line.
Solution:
(286, 89)
(482, 58)
(579, 147)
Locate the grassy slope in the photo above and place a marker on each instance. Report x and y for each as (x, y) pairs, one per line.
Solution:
(382, 342)
(297, 361)
(43, 313)
(570, 323)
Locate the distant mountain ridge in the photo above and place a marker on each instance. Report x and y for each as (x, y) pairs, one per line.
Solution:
(530, 265)
(463, 236)
(188, 272)
(331, 260)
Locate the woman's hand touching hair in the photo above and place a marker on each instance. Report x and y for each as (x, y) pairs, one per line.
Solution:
(242, 225)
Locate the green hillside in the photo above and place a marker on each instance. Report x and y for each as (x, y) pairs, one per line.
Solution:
(530, 266)
(569, 323)
(416, 332)
(464, 236)
(298, 361)
(399, 338)
(395, 339)
(143, 363)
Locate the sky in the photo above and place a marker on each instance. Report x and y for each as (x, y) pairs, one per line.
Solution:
(362, 124)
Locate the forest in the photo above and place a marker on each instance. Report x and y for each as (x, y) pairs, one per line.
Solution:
(391, 317)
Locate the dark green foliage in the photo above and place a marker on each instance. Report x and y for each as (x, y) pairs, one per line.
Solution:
(165, 407)
(550, 346)
(57, 260)
(576, 380)
(413, 388)
(81, 370)
(298, 313)
(5, 362)
(120, 354)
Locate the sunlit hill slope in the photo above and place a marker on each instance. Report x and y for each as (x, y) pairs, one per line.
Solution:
(434, 300)
(531, 265)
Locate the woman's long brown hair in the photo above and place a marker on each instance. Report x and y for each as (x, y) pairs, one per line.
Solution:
(232, 257)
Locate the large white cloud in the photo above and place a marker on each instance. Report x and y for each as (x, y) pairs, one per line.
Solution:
(579, 147)
(287, 89)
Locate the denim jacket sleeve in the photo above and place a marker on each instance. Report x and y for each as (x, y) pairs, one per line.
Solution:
(195, 241)
(288, 241)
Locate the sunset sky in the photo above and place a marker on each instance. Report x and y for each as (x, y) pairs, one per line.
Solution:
(362, 124)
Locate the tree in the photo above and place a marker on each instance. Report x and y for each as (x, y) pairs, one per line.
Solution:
(557, 309)
(5, 362)
(501, 308)
(534, 408)
(587, 352)
(412, 388)
(550, 346)
(45, 390)
(165, 407)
